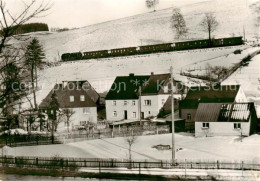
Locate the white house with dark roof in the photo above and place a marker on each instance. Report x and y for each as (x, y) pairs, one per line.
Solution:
(156, 92)
(123, 101)
(76, 99)
(225, 119)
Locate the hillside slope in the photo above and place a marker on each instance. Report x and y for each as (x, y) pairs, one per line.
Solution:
(153, 27)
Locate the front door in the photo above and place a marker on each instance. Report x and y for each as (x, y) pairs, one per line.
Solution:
(125, 114)
(142, 115)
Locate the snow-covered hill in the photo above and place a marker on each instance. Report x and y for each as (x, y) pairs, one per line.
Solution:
(149, 28)
(153, 27)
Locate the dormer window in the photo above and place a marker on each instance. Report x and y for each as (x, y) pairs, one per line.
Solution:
(82, 98)
(71, 98)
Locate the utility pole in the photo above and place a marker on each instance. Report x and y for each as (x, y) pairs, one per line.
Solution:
(173, 127)
(140, 105)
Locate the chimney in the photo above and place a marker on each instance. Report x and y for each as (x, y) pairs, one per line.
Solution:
(152, 73)
(131, 75)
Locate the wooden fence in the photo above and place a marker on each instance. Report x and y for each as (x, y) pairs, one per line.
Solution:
(58, 162)
(29, 140)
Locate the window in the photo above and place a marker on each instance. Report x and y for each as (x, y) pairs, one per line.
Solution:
(134, 114)
(83, 123)
(133, 103)
(237, 125)
(114, 113)
(205, 125)
(188, 116)
(165, 89)
(114, 103)
(86, 110)
(82, 98)
(71, 98)
(147, 102)
(149, 112)
(125, 103)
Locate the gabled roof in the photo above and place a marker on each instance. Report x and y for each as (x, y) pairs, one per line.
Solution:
(86, 86)
(155, 84)
(63, 96)
(225, 93)
(224, 112)
(207, 94)
(126, 87)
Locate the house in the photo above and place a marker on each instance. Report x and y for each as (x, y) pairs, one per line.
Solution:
(76, 99)
(156, 92)
(225, 119)
(122, 100)
(208, 94)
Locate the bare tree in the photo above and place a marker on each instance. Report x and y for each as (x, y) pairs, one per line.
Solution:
(130, 141)
(151, 4)
(209, 24)
(68, 113)
(178, 23)
(9, 23)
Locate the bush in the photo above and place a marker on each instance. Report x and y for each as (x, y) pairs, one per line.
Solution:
(237, 51)
(247, 59)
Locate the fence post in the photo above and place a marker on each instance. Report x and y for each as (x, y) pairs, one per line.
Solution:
(139, 168)
(15, 160)
(242, 168)
(217, 164)
(36, 161)
(161, 164)
(99, 167)
(185, 168)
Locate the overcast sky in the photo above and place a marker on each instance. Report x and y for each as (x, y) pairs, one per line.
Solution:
(79, 13)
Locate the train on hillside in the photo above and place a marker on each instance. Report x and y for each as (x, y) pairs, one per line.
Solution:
(166, 47)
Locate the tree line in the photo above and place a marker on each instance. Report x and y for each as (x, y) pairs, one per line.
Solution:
(28, 28)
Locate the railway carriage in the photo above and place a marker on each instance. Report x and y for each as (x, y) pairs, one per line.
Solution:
(156, 48)
(123, 51)
(96, 54)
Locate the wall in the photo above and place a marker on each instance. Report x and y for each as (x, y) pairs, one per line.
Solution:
(120, 108)
(150, 110)
(241, 97)
(221, 129)
(78, 116)
(184, 113)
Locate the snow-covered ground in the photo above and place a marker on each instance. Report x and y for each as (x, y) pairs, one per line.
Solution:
(249, 78)
(207, 148)
(148, 28)
(154, 27)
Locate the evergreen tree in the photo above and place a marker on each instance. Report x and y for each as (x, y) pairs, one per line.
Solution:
(34, 57)
(52, 113)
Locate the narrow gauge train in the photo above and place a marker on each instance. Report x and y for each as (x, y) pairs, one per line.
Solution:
(176, 46)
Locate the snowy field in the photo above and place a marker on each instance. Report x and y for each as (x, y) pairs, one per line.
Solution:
(207, 148)
(148, 28)
(249, 77)
(153, 27)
